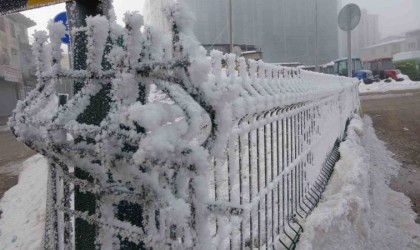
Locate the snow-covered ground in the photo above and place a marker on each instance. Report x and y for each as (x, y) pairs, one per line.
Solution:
(383, 86)
(23, 208)
(358, 210)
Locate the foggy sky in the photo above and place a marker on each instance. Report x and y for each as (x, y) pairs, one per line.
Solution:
(395, 16)
(42, 15)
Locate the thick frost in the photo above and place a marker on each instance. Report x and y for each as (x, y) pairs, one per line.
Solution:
(358, 209)
(170, 153)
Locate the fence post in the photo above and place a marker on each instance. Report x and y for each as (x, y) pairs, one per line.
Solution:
(85, 233)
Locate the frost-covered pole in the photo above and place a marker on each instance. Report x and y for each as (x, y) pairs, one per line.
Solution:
(85, 233)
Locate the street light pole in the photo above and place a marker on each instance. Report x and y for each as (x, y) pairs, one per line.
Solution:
(316, 36)
(230, 27)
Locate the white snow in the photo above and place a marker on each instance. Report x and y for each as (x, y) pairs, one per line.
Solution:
(358, 209)
(23, 207)
(383, 86)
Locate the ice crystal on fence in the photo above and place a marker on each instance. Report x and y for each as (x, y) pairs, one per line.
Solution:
(172, 162)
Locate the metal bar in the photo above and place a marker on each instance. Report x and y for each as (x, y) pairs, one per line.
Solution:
(265, 184)
(272, 137)
(258, 188)
(240, 188)
(250, 186)
(278, 173)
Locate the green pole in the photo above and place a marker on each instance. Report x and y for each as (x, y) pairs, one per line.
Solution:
(85, 233)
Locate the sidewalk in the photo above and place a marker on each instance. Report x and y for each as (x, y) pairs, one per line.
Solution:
(3, 120)
(12, 153)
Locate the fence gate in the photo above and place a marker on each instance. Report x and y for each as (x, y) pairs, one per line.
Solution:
(164, 147)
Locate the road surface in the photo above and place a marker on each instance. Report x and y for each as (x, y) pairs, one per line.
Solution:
(396, 119)
(12, 153)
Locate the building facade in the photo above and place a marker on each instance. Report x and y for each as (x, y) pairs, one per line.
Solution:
(284, 30)
(412, 42)
(392, 45)
(16, 68)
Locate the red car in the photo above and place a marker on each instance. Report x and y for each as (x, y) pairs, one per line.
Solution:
(383, 69)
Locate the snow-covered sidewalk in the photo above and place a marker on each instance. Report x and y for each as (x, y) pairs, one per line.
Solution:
(358, 209)
(23, 207)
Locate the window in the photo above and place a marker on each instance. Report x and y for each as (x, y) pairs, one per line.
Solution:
(341, 67)
(5, 58)
(357, 64)
(2, 24)
(12, 30)
(14, 52)
(411, 46)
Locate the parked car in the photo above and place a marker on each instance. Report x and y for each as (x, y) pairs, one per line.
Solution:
(383, 69)
(340, 66)
(366, 76)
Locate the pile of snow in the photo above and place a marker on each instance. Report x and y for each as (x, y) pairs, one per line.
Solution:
(358, 209)
(383, 86)
(23, 207)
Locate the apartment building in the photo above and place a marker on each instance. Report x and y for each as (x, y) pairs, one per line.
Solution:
(16, 68)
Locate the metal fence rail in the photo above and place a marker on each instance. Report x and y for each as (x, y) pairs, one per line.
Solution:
(233, 158)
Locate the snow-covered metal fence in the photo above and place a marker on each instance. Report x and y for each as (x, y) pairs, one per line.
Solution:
(185, 151)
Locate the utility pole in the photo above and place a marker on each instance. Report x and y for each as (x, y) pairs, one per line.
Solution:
(230, 27)
(316, 36)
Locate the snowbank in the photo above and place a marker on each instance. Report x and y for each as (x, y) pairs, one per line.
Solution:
(383, 86)
(23, 208)
(358, 209)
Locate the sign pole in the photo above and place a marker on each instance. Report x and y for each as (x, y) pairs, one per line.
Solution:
(348, 19)
(350, 61)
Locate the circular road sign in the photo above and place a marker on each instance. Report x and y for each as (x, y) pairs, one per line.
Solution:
(62, 17)
(349, 17)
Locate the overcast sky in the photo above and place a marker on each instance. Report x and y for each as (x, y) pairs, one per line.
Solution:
(395, 16)
(42, 15)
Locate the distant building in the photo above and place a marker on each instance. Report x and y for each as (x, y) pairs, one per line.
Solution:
(364, 35)
(284, 30)
(16, 68)
(385, 49)
(153, 14)
(392, 45)
(412, 42)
